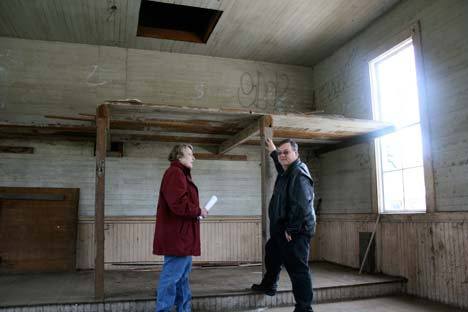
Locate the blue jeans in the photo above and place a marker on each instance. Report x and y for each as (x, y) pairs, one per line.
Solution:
(174, 288)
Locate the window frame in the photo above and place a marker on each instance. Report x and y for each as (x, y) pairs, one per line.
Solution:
(412, 33)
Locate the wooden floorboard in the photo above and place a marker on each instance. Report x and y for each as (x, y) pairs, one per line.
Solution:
(384, 304)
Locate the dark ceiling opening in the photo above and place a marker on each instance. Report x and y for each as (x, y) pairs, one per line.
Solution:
(176, 22)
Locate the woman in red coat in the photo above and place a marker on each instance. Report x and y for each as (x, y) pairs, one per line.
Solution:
(177, 234)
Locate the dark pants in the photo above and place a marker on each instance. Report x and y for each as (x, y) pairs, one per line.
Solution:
(294, 255)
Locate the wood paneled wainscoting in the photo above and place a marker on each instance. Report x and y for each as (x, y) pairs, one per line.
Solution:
(129, 241)
(430, 250)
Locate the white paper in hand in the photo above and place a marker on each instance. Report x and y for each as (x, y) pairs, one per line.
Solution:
(210, 204)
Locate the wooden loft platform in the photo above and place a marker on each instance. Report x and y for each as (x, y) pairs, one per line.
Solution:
(230, 128)
(223, 129)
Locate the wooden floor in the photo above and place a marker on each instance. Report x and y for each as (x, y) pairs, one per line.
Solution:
(386, 304)
(214, 289)
(47, 288)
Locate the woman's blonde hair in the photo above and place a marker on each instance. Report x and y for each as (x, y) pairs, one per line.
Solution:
(177, 151)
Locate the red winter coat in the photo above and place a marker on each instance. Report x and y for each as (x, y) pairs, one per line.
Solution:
(177, 227)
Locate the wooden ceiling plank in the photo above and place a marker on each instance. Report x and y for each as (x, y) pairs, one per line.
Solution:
(17, 149)
(320, 26)
(47, 129)
(209, 156)
(166, 138)
(171, 125)
(84, 118)
(48, 137)
(326, 124)
(364, 138)
(134, 105)
(190, 126)
(302, 134)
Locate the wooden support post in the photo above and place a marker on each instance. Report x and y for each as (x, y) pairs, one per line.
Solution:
(102, 123)
(267, 180)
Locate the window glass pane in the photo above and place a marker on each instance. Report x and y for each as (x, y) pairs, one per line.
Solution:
(411, 145)
(391, 152)
(415, 194)
(397, 90)
(393, 191)
(402, 149)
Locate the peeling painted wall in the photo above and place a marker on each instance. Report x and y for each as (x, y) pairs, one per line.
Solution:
(343, 87)
(133, 181)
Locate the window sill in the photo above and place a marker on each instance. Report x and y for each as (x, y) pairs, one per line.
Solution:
(402, 212)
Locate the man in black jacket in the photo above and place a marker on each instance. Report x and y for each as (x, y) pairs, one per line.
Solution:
(292, 225)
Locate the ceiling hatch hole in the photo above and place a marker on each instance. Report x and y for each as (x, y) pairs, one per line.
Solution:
(176, 22)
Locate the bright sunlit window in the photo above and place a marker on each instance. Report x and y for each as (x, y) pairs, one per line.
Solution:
(399, 156)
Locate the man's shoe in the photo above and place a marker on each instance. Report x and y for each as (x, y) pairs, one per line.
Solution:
(269, 291)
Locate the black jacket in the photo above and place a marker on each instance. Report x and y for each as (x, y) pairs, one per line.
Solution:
(291, 206)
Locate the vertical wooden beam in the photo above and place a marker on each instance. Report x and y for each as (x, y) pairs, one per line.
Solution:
(266, 131)
(102, 133)
(424, 118)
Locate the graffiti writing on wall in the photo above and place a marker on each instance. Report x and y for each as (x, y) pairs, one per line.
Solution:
(200, 89)
(93, 79)
(257, 91)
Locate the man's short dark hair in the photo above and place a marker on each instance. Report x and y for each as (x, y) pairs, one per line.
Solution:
(293, 143)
